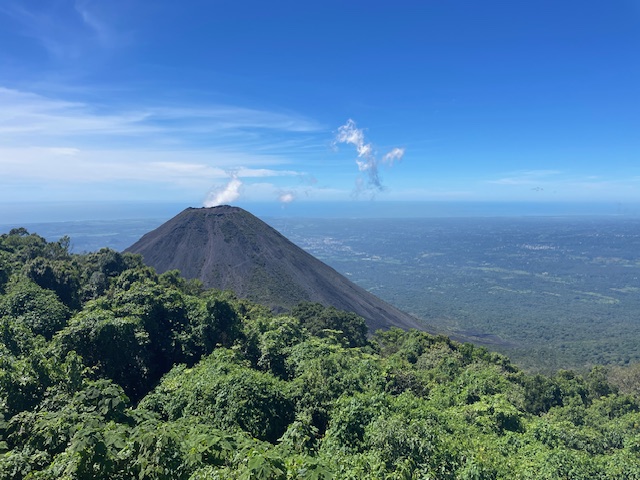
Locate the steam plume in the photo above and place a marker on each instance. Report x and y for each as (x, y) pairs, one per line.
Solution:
(367, 162)
(224, 194)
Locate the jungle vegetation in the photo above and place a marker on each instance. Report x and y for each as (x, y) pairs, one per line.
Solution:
(109, 370)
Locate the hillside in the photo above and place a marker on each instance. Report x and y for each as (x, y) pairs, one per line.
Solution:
(227, 248)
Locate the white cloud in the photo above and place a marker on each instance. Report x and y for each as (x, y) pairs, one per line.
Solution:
(28, 116)
(67, 165)
(50, 140)
(529, 177)
(393, 156)
(350, 134)
(227, 118)
(264, 172)
(32, 118)
(286, 197)
(224, 194)
(367, 161)
(63, 150)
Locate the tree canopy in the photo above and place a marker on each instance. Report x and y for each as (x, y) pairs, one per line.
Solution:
(108, 370)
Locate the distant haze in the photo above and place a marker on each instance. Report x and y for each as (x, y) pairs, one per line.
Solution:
(28, 213)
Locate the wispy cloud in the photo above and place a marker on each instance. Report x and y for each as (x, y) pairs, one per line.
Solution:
(393, 156)
(367, 161)
(265, 172)
(104, 33)
(198, 169)
(225, 117)
(27, 113)
(529, 177)
(562, 185)
(37, 118)
(47, 139)
(66, 29)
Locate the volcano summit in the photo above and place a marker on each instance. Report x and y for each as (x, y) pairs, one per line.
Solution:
(230, 249)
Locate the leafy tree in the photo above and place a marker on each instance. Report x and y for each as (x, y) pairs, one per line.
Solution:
(5, 270)
(541, 393)
(323, 371)
(99, 270)
(162, 315)
(17, 339)
(109, 262)
(22, 245)
(275, 344)
(56, 275)
(213, 322)
(351, 416)
(625, 378)
(23, 382)
(173, 279)
(317, 318)
(225, 392)
(37, 308)
(597, 383)
(118, 348)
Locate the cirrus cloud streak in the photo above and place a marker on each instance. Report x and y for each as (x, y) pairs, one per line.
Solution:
(50, 140)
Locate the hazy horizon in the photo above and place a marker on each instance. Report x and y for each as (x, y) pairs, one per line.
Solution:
(30, 213)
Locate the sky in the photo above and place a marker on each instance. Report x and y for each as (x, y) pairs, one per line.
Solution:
(286, 103)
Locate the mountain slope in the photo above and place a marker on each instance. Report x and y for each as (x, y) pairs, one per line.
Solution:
(228, 248)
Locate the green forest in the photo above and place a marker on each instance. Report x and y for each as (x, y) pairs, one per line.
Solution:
(111, 371)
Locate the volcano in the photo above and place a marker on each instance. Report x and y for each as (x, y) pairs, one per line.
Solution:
(228, 248)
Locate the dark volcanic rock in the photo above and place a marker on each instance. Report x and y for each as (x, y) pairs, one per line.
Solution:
(230, 249)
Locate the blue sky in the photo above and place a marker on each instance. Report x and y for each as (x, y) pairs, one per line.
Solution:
(284, 102)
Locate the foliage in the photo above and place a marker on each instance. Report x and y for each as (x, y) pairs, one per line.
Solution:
(319, 319)
(37, 308)
(108, 370)
(625, 378)
(225, 392)
(57, 275)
